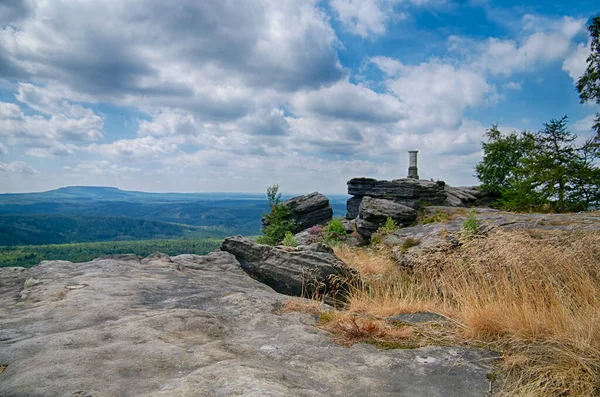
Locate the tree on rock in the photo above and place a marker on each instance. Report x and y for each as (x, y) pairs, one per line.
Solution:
(588, 84)
(277, 222)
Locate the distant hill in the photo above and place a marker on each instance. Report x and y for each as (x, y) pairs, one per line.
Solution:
(59, 229)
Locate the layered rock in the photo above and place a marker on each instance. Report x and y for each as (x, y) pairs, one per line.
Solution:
(467, 196)
(412, 193)
(195, 326)
(304, 271)
(374, 212)
(308, 210)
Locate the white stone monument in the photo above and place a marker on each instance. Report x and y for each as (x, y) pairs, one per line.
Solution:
(412, 164)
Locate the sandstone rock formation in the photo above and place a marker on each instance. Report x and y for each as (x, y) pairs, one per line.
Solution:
(374, 212)
(307, 270)
(194, 326)
(412, 193)
(309, 210)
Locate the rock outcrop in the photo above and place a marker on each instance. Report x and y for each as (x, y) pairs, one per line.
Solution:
(307, 270)
(195, 326)
(309, 210)
(374, 212)
(412, 193)
(467, 196)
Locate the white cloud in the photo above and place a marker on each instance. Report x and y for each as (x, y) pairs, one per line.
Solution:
(513, 85)
(37, 131)
(18, 167)
(575, 64)
(103, 168)
(3, 149)
(346, 101)
(584, 126)
(138, 148)
(364, 17)
(57, 149)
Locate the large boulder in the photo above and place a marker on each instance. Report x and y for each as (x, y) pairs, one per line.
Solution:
(304, 271)
(308, 210)
(195, 326)
(374, 212)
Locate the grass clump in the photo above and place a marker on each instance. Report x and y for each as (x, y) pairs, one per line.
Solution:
(471, 225)
(390, 226)
(437, 216)
(289, 240)
(408, 243)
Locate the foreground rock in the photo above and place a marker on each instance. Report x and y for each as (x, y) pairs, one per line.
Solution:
(194, 326)
(307, 270)
(373, 213)
(308, 210)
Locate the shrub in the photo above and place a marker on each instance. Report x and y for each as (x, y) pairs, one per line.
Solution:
(471, 225)
(277, 221)
(335, 232)
(408, 243)
(289, 240)
(390, 225)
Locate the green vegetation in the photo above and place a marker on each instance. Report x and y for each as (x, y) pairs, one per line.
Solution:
(289, 240)
(408, 243)
(335, 232)
(545, 170)
(437, 216)
(390, 225)
(471, 225)
(31, 255)
(588, 84)
(277, 221)
(61, 229)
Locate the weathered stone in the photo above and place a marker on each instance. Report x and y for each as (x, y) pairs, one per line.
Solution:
(374, 212)
(303, 271)
(406, 191)
(207, 329)
(308, 210)
(467, 196)
(417, 318)
(352, 206)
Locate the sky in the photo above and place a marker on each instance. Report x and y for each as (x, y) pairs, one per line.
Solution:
(235, 96)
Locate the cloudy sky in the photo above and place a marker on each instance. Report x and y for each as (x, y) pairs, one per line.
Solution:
(220, 95)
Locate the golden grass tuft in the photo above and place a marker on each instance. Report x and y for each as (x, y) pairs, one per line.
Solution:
(536, 296)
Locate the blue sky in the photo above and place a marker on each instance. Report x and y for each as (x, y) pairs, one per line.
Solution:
(234, 96)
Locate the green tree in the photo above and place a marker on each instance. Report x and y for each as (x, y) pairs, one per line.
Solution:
(544, 169)
(278, 221)
(502, 158)
(588, 84)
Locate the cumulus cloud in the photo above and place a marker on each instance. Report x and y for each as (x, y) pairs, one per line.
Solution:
(38, 131)
(138, 148)
(18, 167)
(3, 149)
(347, 101)
(575, 63)
(100, 168)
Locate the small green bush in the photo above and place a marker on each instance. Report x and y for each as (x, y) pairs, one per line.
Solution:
(471, 225)
(438, 216)
(335, 232)
(289, 240)
(390, 225)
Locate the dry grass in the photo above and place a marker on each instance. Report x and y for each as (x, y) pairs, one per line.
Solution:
(537, 297)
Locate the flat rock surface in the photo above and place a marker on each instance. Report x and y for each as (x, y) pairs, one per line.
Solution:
(194, 326)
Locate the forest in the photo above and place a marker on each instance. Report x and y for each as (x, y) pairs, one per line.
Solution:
(31, 255)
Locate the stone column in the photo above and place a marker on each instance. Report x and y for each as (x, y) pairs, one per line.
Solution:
(412, 164)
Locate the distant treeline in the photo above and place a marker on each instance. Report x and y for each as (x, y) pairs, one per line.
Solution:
(31, 255)
(61, 229)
